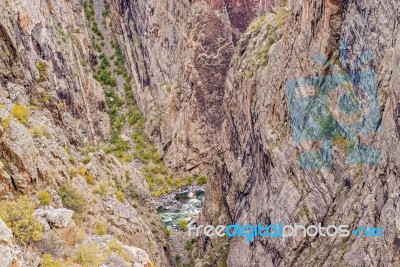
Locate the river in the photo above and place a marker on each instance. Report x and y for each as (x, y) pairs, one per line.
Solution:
(185, 204)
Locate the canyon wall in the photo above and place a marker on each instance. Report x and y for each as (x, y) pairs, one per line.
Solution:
(258, 175)
(179, 53)
(211, 79)
(55, 127)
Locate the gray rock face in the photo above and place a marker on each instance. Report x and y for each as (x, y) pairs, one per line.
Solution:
(136, 255)
(259, 177)
(56, 217)
(215, 98)
(52, 111)
(179, 54)
(5, 233)
(6, 253)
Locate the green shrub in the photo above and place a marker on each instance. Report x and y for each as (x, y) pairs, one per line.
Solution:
(183, 224)
(102, 189)
(86, 160)
(177, 258)
(281, 17)
(189, 180)
(42, 68)
(104, 74)
(189, 244)
(96, 30)
(106, 78)
(48, 261)
(167, 231)
(40, 131)
(71, 160)
(120, 196)
(202, 180)
(89, 256)
(44, 198)
(100, 229)
(18, 216)
(328, 127)
(72, 198)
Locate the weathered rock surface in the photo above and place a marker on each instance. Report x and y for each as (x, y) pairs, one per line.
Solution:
(179, 54)
(6, 247)
(56, 217)
(213, 90)
(136, 255)
(258, 177)
(52, 112)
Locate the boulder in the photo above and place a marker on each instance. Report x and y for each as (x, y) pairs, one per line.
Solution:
(136, 255)
(59, 218)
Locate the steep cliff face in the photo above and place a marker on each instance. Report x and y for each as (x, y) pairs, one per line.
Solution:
(55, 127)
(179, 54)
(211, 78)
(42, 73)
(258, 176)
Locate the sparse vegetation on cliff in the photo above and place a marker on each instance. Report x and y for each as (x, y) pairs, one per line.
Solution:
(72, 198)
(49, 261)
(20, 112)
(90, 255)
(272, 22)
(18, 215)
(42, 68)
(44, 198)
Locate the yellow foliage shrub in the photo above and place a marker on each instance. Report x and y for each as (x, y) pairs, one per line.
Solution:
(44, 198)
(100, 229)
(39, 131)
(82, 171)
(21, 112)
(102, 189)
(115, 246)
(6, 122)
(120, 196)
(48, 261)
(183, 224)
(18, 216)
(89, 255)
(90, 179)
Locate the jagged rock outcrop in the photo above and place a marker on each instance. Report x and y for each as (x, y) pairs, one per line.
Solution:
(258, 176)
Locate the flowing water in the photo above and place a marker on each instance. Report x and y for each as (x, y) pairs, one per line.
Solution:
(183, 206)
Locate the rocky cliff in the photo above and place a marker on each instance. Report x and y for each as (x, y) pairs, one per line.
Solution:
(211, 79)
(258, 175)
(60, 147)
(179, 53)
